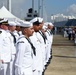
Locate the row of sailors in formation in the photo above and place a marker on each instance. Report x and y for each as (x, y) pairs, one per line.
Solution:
(25, 47)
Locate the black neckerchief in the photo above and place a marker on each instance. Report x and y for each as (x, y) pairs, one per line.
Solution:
(33, 48)
(13, 37)
(50, 32)
(44, 36)
(18, 33)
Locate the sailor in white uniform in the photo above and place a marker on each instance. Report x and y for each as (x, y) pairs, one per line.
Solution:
(5, 47)
(25, 51)
(49, 35)
(42, 37)
(17, 31)
(37, 42)
(12, 27)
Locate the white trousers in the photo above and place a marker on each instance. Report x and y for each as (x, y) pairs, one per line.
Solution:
(37, 72)
(12, 66)
(5, 69)
(23, 71)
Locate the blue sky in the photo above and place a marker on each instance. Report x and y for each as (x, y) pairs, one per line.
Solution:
(58, 6)
(52, 6)
(20, 7)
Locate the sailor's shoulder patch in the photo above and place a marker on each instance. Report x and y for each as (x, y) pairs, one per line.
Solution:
(21, 42)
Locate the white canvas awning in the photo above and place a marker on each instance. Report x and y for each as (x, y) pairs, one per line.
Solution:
(4, 13)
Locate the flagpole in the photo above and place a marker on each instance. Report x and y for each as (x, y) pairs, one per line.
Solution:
(42, 8)
(32, 8)
(38, 7)
(9, 5)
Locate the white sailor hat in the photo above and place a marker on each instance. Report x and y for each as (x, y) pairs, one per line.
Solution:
(17, 23)
(46, 23)
(4, 21)
(51, 24)
(25, 24)
(11, 23)
(33, 20)
(37, 20)
(40, 19)
(44, 27)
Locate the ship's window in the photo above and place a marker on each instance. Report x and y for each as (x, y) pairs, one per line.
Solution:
(35, 15)
(29, 15)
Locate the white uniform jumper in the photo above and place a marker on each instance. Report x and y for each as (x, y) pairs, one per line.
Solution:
(49, 44)
(5, 51)
(38, 62)
(24, 57)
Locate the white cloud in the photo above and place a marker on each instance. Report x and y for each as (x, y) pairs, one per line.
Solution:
(72, 9)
